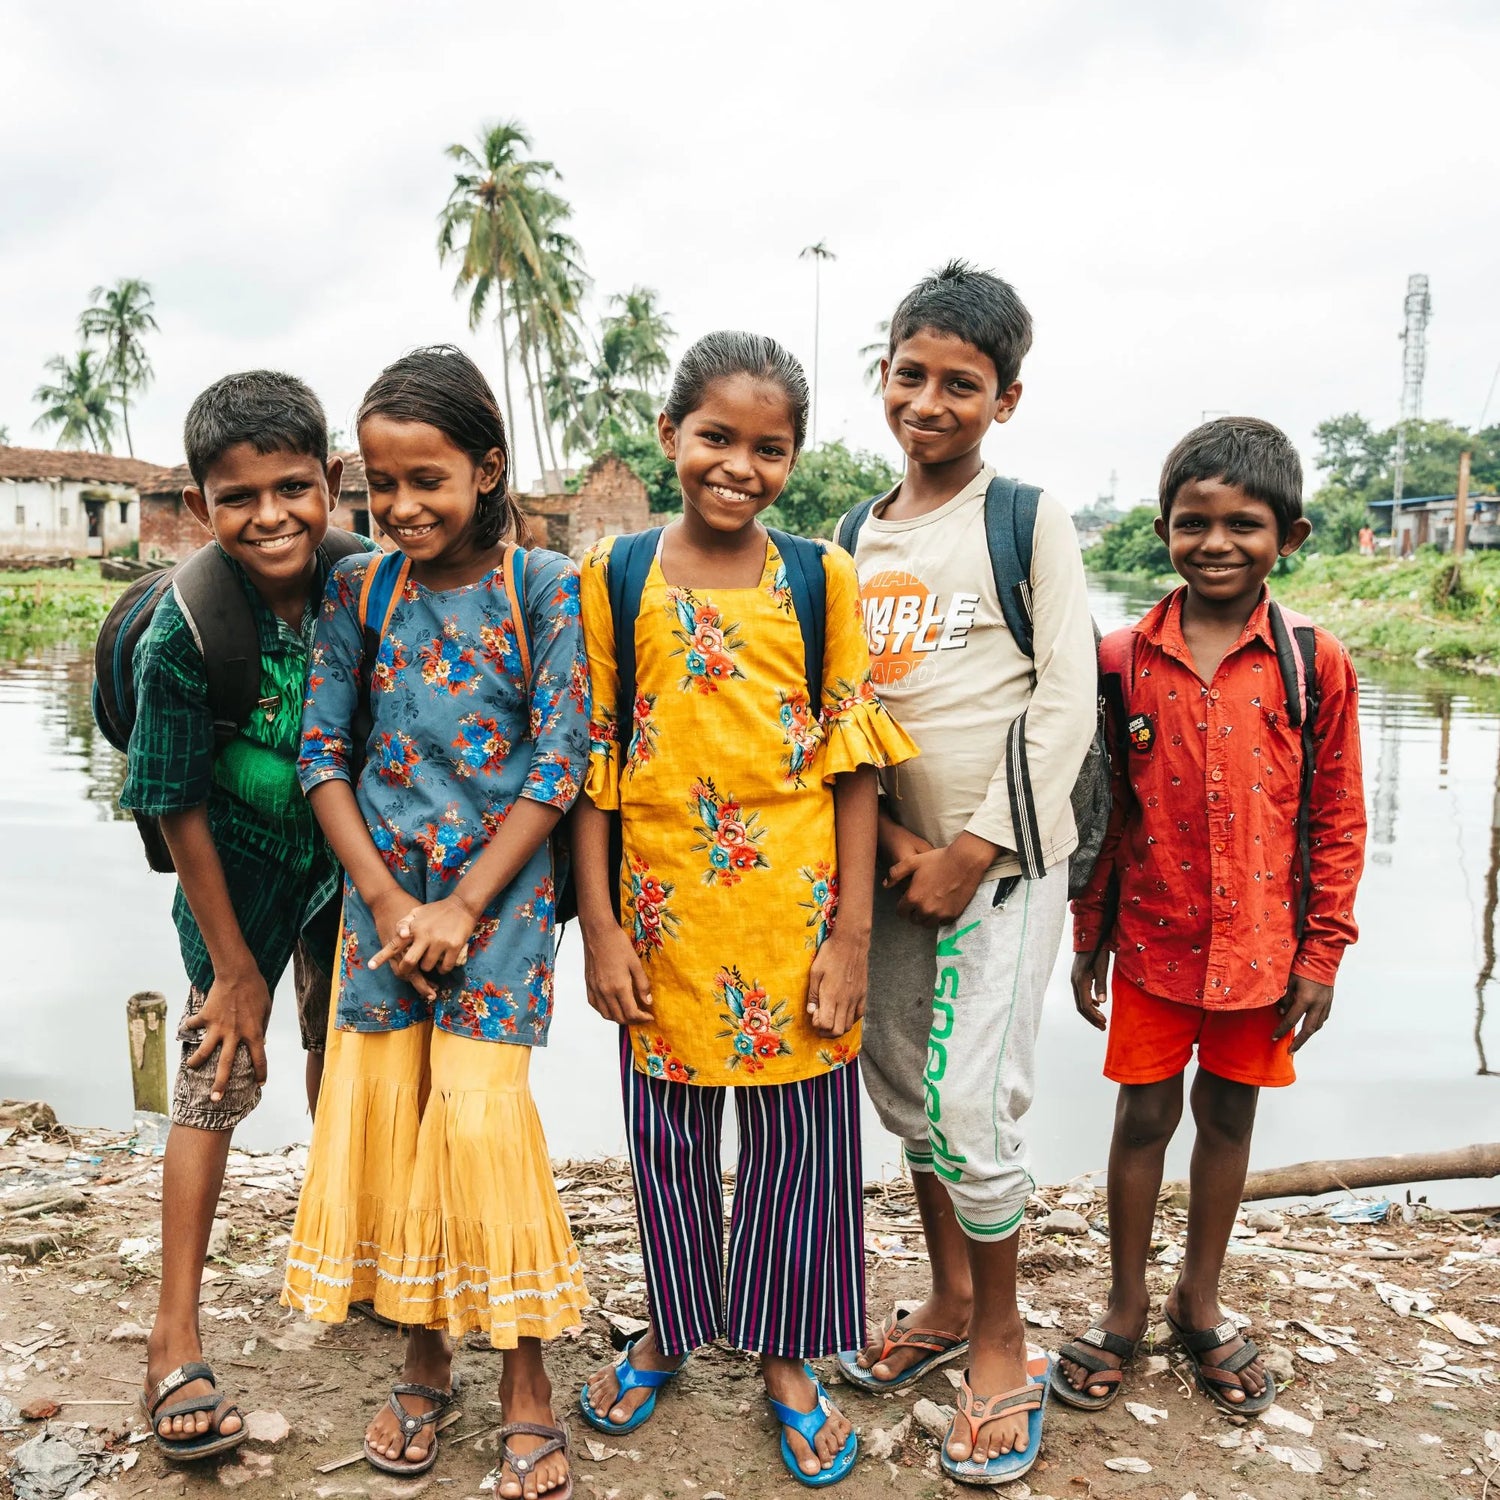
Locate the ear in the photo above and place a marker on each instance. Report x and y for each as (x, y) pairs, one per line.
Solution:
(491, 471)
(1006, 402)
(1159, 526)
(885, 374)
(1297, 533)
(335, 472)
(197, 502)
(666, 435)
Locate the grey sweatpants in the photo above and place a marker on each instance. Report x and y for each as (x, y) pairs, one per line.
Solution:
(949, 1052)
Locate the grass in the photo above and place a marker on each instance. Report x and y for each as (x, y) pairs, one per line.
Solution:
(52, 606)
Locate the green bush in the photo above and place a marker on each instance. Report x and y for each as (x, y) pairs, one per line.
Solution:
(1131, 545)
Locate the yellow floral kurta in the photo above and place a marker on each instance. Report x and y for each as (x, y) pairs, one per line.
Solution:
(729, 882)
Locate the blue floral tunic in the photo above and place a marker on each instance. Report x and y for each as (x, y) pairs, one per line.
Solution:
(455, 741)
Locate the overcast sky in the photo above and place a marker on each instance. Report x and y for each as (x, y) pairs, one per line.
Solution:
(1206, 206)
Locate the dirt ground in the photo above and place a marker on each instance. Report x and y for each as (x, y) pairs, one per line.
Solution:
(1386, 1331)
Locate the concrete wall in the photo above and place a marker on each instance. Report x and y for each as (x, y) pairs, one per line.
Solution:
(52, 515)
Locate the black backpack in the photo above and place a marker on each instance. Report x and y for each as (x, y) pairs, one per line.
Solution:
(219, 615)
(1009, 528)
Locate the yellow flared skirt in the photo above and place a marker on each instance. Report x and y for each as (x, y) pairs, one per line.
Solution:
(429, 1192)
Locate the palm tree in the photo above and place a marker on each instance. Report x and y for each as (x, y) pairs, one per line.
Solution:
(120, 316)
(817, 254)
(493, 222)
(876, 352)
(78, 403)
(4, 435)
(614, 394)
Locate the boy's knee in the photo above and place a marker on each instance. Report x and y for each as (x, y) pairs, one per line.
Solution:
(1223, 1108)
(1148, 1114)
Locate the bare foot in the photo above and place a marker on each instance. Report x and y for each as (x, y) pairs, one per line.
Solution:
(165, 1351)
(786, 1381)
(526, 1396)
(992, 1370)
(1195, 1314)
(429, 1361)
(604, 1383)
(943, 1314)
(1129, 1322)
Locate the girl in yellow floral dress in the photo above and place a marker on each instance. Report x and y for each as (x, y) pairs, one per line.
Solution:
(735, 736)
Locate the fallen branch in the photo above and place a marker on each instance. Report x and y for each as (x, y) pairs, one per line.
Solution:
(1309, 1178)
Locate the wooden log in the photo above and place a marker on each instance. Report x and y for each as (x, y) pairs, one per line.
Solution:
(1309, 1178)
(146, 1022)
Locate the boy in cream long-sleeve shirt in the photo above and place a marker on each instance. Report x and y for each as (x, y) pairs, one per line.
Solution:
(963, 945)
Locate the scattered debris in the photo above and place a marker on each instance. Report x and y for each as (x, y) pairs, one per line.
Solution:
(1128, 1465)
(933, 1419)
(1150, 1415)
(1298, 1460)
(1062, 1221)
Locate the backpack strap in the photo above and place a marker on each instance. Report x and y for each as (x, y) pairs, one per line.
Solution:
(1117, 653)
(383, 582)
(513, 572)
(803, 560)
(1010, 528)
(223, 627)
(847, 535)
(630, 559)
(1297, 659)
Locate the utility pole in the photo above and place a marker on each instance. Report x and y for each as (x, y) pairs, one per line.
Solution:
(818, 254)
(1461, 508)
(1418, 308)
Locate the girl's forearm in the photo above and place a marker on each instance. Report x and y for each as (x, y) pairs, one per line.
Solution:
(856, 818)
(591, 872)
(526, 828)
(345, 829)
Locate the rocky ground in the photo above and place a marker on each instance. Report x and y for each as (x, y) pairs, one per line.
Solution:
(1385, 1335)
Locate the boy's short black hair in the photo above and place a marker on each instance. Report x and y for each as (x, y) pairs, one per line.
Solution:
(265, 408)
(975, 306)
(1245, 452)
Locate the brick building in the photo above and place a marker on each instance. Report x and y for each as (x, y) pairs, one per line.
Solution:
(70, 504)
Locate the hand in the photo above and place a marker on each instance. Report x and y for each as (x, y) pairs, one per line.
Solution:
(437, 936)
(837, 984)
(234, 1012)
(1090, 978)
(390, 910)
(1305, 1001)
(896, 843)
(615, 978)
(942, 881)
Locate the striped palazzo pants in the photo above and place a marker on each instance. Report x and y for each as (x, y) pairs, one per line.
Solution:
(795, 1280)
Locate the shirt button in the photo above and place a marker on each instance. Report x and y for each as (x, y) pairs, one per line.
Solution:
(1218, 848)
(1214, 695)
(1218, 775)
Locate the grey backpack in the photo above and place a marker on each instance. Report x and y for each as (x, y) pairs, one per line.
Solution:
(1010, 526)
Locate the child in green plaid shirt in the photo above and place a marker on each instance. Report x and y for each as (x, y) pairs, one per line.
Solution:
(253, 869)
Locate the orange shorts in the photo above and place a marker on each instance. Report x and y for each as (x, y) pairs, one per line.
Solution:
(1151, 1039)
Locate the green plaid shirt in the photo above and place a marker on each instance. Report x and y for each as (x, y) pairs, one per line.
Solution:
(277, 865)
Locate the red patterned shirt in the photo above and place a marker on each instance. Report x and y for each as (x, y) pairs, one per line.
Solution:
(1204, 841)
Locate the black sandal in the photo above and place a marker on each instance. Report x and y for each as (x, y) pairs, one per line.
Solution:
(205, 1444)
(1214, 1380)
(411, 1427)
(522, 1464)
(1080, 1352)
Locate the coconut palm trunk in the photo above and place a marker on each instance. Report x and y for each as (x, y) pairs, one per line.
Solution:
(533, 384)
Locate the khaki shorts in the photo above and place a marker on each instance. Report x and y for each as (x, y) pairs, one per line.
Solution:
(191, 1104)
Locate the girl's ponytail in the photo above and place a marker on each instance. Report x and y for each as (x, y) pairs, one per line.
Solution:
(442, 387)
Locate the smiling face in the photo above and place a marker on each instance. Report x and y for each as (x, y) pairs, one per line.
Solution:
(268, 511)
(424, 489)
(941, 394)
(734, 451)
(1223, 542)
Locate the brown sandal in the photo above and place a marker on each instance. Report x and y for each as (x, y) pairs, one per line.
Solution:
(1081, 1352)
(522, 1464)
(411, 1429)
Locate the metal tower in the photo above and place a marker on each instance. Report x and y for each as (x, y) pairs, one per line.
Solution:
(1413, 368)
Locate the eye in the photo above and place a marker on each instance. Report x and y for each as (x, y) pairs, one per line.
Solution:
(964, 385)
(295, 487)
(714, 437)
(772, 451)
(429, 484)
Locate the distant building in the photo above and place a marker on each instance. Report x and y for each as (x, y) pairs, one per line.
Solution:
(1430, 520)
(610, 500)
(70, 504)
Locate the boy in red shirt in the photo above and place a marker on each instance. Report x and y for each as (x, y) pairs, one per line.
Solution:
(1225, 888)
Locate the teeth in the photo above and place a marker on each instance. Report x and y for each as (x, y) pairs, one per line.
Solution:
(725, 493)
(414, 531)
(275, 543)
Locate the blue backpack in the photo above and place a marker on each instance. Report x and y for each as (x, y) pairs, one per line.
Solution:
(630, 560)
(1010, 528)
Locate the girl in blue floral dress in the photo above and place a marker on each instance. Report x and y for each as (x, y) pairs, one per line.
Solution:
(454, 672)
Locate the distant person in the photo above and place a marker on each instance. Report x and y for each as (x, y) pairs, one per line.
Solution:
(735, 738)
(1225, 889)
(253, 870)
(1366, 541)
(445, 735)
(974, 842)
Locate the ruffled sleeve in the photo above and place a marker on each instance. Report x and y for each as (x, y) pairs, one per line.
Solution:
(602, 782)
(858, 730)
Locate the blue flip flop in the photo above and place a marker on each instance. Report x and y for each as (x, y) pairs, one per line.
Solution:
(807, 1425)
(1030, 1398)
(630, 1379)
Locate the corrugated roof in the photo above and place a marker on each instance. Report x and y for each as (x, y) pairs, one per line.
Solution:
(173, 481)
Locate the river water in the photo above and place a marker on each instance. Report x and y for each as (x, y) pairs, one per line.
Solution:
(1409, 1061)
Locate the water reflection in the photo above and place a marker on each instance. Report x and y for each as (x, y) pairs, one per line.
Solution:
(1405, 1064)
